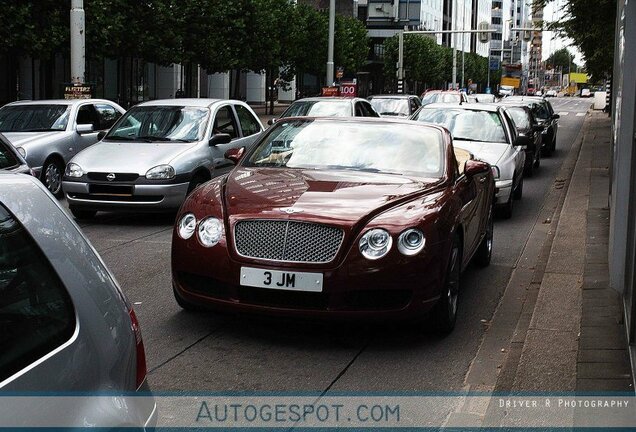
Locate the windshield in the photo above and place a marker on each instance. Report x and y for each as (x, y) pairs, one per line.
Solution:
(440, 97)
(520, 117)
(7, 158)
(34, 118)
(161, 123)
(371, 147)
(485, 98)
(324, 108)
(467, 125)
(388, 106)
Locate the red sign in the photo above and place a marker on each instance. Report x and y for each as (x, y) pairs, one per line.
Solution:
(330, 91)
(349, 90)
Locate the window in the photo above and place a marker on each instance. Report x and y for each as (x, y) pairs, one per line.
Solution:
(7, 158)
(249, 125)
(34, 118)
(87, 115)
(107, 114)
(496, 20)
(224, 122)
(368, 110)
(36, 312)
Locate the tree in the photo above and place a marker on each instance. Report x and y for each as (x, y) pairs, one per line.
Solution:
(590, 24)
(563, 59)
(424, 60)
(350, 47)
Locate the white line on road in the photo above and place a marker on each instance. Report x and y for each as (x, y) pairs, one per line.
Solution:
(580, 114)
(564, 113)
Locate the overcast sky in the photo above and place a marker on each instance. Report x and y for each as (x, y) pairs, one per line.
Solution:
(553, 12)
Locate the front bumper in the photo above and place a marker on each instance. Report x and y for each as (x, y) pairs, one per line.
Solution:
(143, 197)
(400, 288)
(503, 189)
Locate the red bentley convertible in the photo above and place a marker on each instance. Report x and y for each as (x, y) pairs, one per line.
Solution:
(346, 218)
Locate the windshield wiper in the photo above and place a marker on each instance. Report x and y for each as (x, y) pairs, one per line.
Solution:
(364, 169)
(470, 139)
(118, 138)
(154, 138)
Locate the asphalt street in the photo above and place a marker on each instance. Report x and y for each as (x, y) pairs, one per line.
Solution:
(205, 351)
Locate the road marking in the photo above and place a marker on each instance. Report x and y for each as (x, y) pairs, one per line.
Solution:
(580, 114)
(564, 113)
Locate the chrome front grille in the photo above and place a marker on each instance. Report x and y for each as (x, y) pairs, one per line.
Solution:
(290, 241)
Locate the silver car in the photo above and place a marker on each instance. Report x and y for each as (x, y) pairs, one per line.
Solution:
(329, 107)
(157, 153)
(488, 132)
(65, 325)
(11, 160)
(48, 133)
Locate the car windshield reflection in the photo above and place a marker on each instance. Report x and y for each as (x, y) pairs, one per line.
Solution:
(161, 124)
(372, 147)
(466, 125)
(34, 118)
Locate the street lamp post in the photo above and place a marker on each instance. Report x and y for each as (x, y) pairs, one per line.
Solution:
(78, 42)
(332, 27)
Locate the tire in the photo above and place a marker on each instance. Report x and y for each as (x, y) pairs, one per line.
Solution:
(528, 169)
(506, 210)
(484, 251)
(537, 163)
(80, 214)
(553, 145)
(548, 149)
(51, 176)
(444, 314)
(518, 192)
(184, 304)
(197, 180)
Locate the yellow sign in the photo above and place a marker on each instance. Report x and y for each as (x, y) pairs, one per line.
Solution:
(578, 78)
(512, 82)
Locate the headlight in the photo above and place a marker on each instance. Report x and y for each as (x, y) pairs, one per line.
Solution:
(74, 170)
(161, 172)
(411, 242)
(22, 151)
(495, 171)
(210, 231)
(187, 226)
(375, 243)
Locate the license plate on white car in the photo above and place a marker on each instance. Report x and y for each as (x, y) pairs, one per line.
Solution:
(282, 280)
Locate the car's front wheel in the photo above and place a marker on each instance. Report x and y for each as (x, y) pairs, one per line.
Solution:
(52, 173)
(445, 311)
(484, 251)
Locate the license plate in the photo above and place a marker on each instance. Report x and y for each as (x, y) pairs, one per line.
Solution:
(282, 280)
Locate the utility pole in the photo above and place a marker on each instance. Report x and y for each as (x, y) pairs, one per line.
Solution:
(78, 42)
(332, 27)
(463, 42)
(453, 27)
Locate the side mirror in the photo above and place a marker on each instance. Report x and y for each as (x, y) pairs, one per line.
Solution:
(235, 154)
(522, 141)
(221, 138)
(474, 167)
(271, 121)
(101, 135)
(555, 116)
(84, 128)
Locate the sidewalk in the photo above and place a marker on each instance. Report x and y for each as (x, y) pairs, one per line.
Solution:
(559, 326)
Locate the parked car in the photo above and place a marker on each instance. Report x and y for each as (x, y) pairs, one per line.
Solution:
(328, 106)
(444, 96)
(11, 160)
(506, 90)
(157, 153)
(341, 218)
(546, 117)
(488, 132)
(586, 93)
(395, 105)
(528, 126)
(66, 325)
(48, 133)
(551, 93)
(485, 98)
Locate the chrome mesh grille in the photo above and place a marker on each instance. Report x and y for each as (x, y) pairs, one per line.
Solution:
(287, 241)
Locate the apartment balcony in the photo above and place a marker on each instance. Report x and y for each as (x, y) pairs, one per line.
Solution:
(497, 13)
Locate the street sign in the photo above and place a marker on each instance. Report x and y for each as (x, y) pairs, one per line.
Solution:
(77, 91)
(349, 90)
(330, 91)
(494, 64)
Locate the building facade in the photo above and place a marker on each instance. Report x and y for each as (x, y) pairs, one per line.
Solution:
(535, 65)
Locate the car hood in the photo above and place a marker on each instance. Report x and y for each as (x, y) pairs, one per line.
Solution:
(487, 152)
(339, 197)
(24, 139)
(128, 157)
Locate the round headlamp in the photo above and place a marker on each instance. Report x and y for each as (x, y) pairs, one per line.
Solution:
(210, 231)
(187, 226)
(74, 170)
(411, 242)
(375, 244)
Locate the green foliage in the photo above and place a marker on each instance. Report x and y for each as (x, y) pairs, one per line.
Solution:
(590, 24)
(563, 59)
(350, 46)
